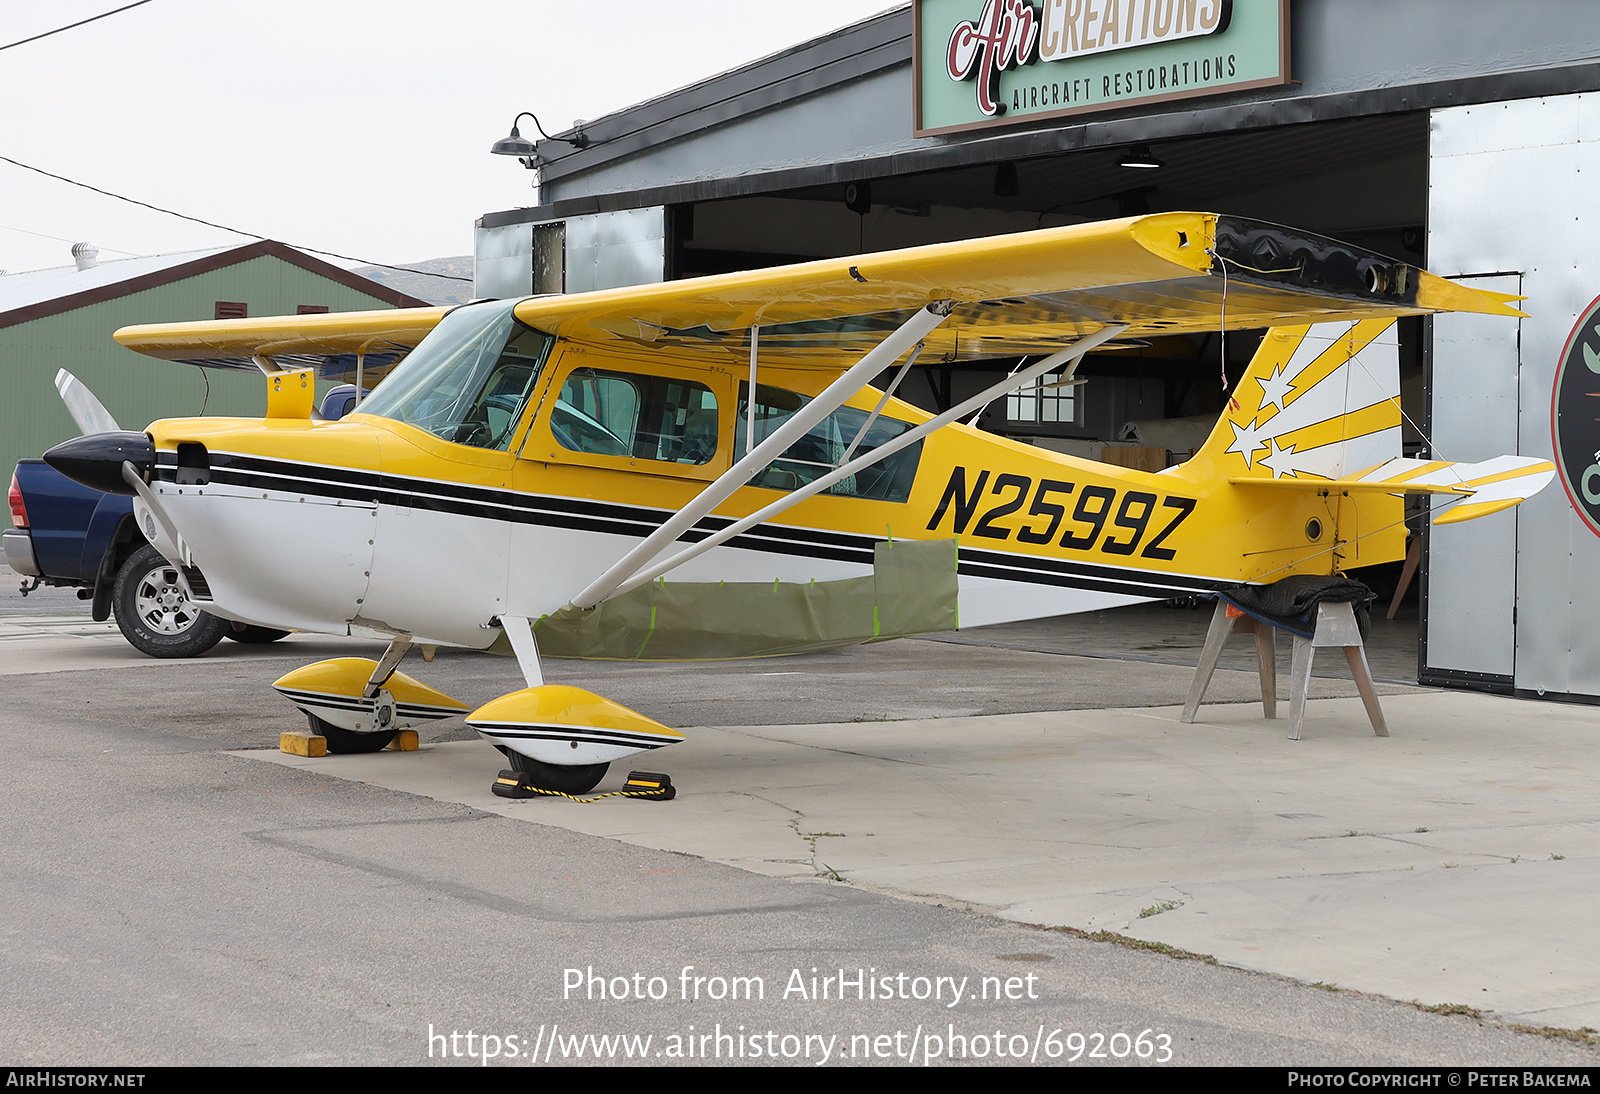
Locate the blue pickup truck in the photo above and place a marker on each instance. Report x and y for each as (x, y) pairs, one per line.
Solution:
(68, 535)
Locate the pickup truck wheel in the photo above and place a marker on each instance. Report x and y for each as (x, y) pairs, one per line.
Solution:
(251, 634)
(155, 615)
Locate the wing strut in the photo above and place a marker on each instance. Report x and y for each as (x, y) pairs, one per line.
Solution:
(888, 393)
(1071, 356)
(750, 415)
(884, 354)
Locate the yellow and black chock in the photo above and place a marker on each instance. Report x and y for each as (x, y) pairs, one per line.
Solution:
(644, 785)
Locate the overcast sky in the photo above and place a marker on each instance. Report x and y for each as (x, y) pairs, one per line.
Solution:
(358, 126)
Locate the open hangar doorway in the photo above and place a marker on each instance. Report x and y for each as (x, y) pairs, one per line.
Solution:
(1363, 181)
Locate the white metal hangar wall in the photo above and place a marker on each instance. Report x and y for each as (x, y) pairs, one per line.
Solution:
(1449, 133)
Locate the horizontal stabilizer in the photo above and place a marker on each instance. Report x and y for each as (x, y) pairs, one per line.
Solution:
(1483, 488)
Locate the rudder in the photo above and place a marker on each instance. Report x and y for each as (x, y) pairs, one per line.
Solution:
(1318, 401)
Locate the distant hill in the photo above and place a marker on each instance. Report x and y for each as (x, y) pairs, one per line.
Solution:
(435, 290)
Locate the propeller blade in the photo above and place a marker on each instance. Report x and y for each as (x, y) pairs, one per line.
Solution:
(83, 406)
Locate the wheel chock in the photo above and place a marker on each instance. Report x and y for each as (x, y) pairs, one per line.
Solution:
(645, 785)
(301, 743)
(513, 784)
(650, 785)
(404, 741)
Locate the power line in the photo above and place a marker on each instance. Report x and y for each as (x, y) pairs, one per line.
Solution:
(79, 23)
(214, 224)
(60, 239)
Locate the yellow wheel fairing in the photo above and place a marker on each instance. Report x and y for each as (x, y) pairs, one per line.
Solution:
(568, 726)
(332, 690)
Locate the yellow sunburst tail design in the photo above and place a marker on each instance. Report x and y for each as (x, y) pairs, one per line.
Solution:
(1317, 414)
(567, 726)
(332, 691)
(1318, 403)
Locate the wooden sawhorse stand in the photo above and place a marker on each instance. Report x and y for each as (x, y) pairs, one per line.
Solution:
(1335, 626)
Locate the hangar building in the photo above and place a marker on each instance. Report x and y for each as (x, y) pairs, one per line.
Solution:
(63, 318)
(1453, 134)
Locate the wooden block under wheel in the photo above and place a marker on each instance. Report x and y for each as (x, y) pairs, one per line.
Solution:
(303, 744)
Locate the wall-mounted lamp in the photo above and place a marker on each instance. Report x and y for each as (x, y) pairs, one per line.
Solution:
(518, 145)
(858, 197)
(1139, 156)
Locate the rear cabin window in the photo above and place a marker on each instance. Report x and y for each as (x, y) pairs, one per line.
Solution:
(825, 447)
(630, 414)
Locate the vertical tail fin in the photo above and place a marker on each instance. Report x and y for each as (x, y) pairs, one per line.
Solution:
(1320, 401)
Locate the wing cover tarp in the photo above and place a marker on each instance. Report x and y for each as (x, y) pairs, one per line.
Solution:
(912, 590)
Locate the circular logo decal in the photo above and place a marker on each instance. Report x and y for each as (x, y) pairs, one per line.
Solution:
(1575, 416)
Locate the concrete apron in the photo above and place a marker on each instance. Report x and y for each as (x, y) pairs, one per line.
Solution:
(1455, 862)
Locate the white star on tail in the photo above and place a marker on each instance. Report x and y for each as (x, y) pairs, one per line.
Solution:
(1275, 388)
(1281, 461)
(1246, 441)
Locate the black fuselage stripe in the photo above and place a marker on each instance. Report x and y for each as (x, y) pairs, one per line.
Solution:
(1089, 584)
(612, 519)
(427, 493)
(1034, 564)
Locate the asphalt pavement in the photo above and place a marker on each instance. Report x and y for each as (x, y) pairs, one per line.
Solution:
(176, 894)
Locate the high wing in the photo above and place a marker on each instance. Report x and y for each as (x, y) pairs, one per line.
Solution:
(330, 342)
(1167, 273)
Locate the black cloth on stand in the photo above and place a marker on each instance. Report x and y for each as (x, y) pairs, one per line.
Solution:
(1292, 602)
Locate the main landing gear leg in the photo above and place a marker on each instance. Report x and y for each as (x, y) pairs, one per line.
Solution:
(398, 645)
(525, 646)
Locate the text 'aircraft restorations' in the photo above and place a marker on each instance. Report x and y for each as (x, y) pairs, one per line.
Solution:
(701, 469)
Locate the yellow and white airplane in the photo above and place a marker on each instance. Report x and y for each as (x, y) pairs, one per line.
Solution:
(590, 475)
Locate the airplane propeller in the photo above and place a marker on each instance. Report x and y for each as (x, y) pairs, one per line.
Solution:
(85, 409)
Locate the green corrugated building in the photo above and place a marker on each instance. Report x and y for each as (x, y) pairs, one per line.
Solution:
(63, 318)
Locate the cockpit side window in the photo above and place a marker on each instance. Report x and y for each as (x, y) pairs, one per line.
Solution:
(469, 380)
(632, 414)
(825, 446)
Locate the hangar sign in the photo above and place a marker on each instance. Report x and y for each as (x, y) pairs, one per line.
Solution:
(979, 63)
(1575, 416)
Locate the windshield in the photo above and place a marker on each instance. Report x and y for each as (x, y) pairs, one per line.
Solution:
(468, 380)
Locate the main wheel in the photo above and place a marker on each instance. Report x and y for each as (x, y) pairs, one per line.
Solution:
(578, 779)
(154, 613)
(250, 634)
(347, 742)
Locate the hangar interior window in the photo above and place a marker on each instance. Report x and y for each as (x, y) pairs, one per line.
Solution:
(824, 446)
(1037, 401)
(631, 414)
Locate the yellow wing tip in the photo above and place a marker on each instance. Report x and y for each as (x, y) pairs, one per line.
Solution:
(1467, 510)
(323, 332)
(1440, 294)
